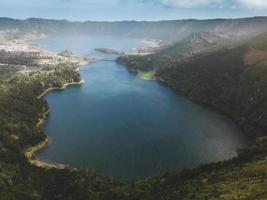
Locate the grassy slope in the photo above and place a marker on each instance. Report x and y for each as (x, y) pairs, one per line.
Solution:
(147, 74)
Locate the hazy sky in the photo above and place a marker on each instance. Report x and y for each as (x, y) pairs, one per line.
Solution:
(132, 9)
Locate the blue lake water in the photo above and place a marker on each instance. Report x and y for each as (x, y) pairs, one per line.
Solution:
(122, 126)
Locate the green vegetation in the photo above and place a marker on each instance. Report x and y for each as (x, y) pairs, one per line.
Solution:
(19, 58)
(8, 71)
(20, 111)
(234, 179)
(242, 178)
(147, 74)
(232, 80)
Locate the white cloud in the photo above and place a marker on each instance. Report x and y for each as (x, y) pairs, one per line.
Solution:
(253, 4)
(259, 4)
(185, 3)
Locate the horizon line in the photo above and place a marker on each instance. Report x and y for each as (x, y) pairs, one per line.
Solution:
(133, 20)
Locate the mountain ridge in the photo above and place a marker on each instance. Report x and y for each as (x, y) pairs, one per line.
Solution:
(173, 30)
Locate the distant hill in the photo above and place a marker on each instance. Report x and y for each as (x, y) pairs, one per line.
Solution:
(171, 31)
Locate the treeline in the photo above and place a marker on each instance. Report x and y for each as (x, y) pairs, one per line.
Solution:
(8, 71)
(56, 76)
(19, 58)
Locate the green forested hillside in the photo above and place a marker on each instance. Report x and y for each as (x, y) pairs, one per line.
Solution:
(240, 178)
(20, 110)
(232, 80)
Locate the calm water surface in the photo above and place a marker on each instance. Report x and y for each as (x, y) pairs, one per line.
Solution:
(122, 126)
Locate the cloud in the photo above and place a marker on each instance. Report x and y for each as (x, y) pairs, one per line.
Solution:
(259, 4)
(253, 4)
(184, 3)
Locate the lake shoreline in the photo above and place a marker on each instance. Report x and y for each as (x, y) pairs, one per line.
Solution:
(193, 99)
(45, 143)
(43, 155)
(31, 152)
(60, 88)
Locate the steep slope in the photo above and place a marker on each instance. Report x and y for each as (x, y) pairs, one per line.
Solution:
(197, 43)
(192, 45)
(232, 80)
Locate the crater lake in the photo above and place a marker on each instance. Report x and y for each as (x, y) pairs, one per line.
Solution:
(120, 125)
